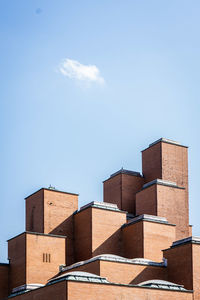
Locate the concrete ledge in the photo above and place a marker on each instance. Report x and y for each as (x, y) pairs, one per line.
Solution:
(38, 233)
(162, 182)
(116, 259)
(148, 218)
(101, 205)
(29, 287)
(167, 141)
(52, 190)
(189, 240)
(95, 279)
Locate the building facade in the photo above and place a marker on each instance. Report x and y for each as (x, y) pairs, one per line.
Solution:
(136, 244)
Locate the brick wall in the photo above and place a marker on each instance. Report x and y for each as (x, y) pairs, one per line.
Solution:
(4, 270)
(44, 255)
(168, 202)
(83, 234)
(106, 231)
(73, 290)
(146, 201)
(51, 211)
(133, 240)
(112, 190)
(35, 212)
(147, 239)
(171, 203)
(81, 290)
(34, 258)
(121, 190)
(152, 163)
(180, 265)
(17, 256)
(125, 273)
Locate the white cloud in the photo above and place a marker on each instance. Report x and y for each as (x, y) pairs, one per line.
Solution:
(75, 70)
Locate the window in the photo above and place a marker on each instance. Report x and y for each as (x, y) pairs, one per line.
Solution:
(46, 257)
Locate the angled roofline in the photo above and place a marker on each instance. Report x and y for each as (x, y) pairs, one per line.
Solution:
(126, 172)
(52, 190)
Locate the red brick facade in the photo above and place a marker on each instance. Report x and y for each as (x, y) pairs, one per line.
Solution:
(135, 245)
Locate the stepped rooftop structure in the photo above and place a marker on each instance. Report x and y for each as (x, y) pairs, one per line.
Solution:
(137, 244)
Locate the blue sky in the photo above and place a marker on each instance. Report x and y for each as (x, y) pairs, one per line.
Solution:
(85, 86)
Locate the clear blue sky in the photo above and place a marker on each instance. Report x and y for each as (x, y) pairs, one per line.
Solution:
(70, 125)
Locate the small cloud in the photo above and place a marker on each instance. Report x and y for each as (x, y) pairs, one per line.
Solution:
(75, 70)
(38, 11)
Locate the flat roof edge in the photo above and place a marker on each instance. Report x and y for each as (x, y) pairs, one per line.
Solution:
(188, 240)
(121, 284)
(167, 141)
(161, 182)
(38, 233)
(146, 219)
(105, 283)
(101, 206)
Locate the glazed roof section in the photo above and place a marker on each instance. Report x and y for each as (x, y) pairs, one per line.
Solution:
(162, 284)
(95, 279)
(80, 276)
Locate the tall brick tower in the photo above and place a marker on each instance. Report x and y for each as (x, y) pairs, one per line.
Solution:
(165, 170)
(162, 190)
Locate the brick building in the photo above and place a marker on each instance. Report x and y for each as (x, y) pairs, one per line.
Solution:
(136, 245)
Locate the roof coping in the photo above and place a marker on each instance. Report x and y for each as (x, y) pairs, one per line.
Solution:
(146, 217)
(162, 182)
(52, 190)
(115, 258)
(24, 289)
(102, 205)
(191, 239)
(30, 286)
(128, 172)
(38, 233)
(168, 141)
